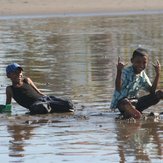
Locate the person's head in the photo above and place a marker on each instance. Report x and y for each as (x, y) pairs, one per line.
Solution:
(139, 60)
(14, 71)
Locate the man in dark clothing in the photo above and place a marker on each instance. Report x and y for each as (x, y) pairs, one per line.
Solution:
(26, 94)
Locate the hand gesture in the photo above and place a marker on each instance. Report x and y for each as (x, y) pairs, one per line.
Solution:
(157, 66)
(120, 64)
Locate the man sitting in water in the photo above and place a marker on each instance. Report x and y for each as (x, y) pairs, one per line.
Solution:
(26, 94)
(130, 80)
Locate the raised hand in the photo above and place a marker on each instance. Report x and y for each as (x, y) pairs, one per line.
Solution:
(157, 66)
(120, 64)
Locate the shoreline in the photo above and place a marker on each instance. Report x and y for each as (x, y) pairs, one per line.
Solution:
(35, 8)
(92, 14)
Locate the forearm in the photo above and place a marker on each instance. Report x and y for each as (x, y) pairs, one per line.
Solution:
(38, 90)
(157, 67)
(34, 86)
(155, 83)
(8, 95)
(118, 82)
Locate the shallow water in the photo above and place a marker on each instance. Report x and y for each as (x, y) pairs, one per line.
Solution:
(75, 57)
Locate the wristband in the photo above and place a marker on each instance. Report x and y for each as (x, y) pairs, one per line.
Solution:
(6, 108)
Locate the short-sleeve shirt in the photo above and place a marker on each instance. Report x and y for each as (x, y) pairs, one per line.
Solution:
(131, 84)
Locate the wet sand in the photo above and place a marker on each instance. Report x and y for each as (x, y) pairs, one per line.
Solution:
(41, 7)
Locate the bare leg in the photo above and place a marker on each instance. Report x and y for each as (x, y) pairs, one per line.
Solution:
(128, 109)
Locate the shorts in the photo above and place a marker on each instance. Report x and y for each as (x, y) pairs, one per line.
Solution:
(51, 104)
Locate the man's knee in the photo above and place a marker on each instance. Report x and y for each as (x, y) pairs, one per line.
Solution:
(159, 94)
(122, 104)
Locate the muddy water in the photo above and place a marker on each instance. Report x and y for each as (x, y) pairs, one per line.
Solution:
(75, 57)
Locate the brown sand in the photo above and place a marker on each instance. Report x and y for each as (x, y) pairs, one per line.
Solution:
(41, 7)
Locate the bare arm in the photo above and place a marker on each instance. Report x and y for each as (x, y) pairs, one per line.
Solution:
(9, 95)
(157, 67)
(34, 86)
(118, 81)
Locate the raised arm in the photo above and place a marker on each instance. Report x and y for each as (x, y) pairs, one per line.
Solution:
(157, 68)
(118, 81)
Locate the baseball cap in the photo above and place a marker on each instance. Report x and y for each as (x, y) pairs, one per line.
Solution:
(12, 68)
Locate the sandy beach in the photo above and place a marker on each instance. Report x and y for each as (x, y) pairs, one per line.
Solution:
(41, 7)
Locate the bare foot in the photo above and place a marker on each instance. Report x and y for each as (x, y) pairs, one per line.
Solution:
(132, 112)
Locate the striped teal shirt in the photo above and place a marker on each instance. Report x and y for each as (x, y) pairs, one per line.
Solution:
(131, 84)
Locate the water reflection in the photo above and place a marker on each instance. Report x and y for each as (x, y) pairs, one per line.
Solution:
(20, 134)
(77, 57)
(140, 141)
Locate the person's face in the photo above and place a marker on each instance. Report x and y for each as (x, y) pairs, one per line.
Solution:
(16, 76)
(139, 63)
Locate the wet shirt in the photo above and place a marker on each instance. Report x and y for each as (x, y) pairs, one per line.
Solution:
(25, 95)
(131, 84)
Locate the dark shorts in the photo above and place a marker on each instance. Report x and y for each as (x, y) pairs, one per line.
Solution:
(51, 104)
(143, 102)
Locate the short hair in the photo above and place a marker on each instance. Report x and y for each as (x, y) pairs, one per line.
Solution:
(140, 52)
